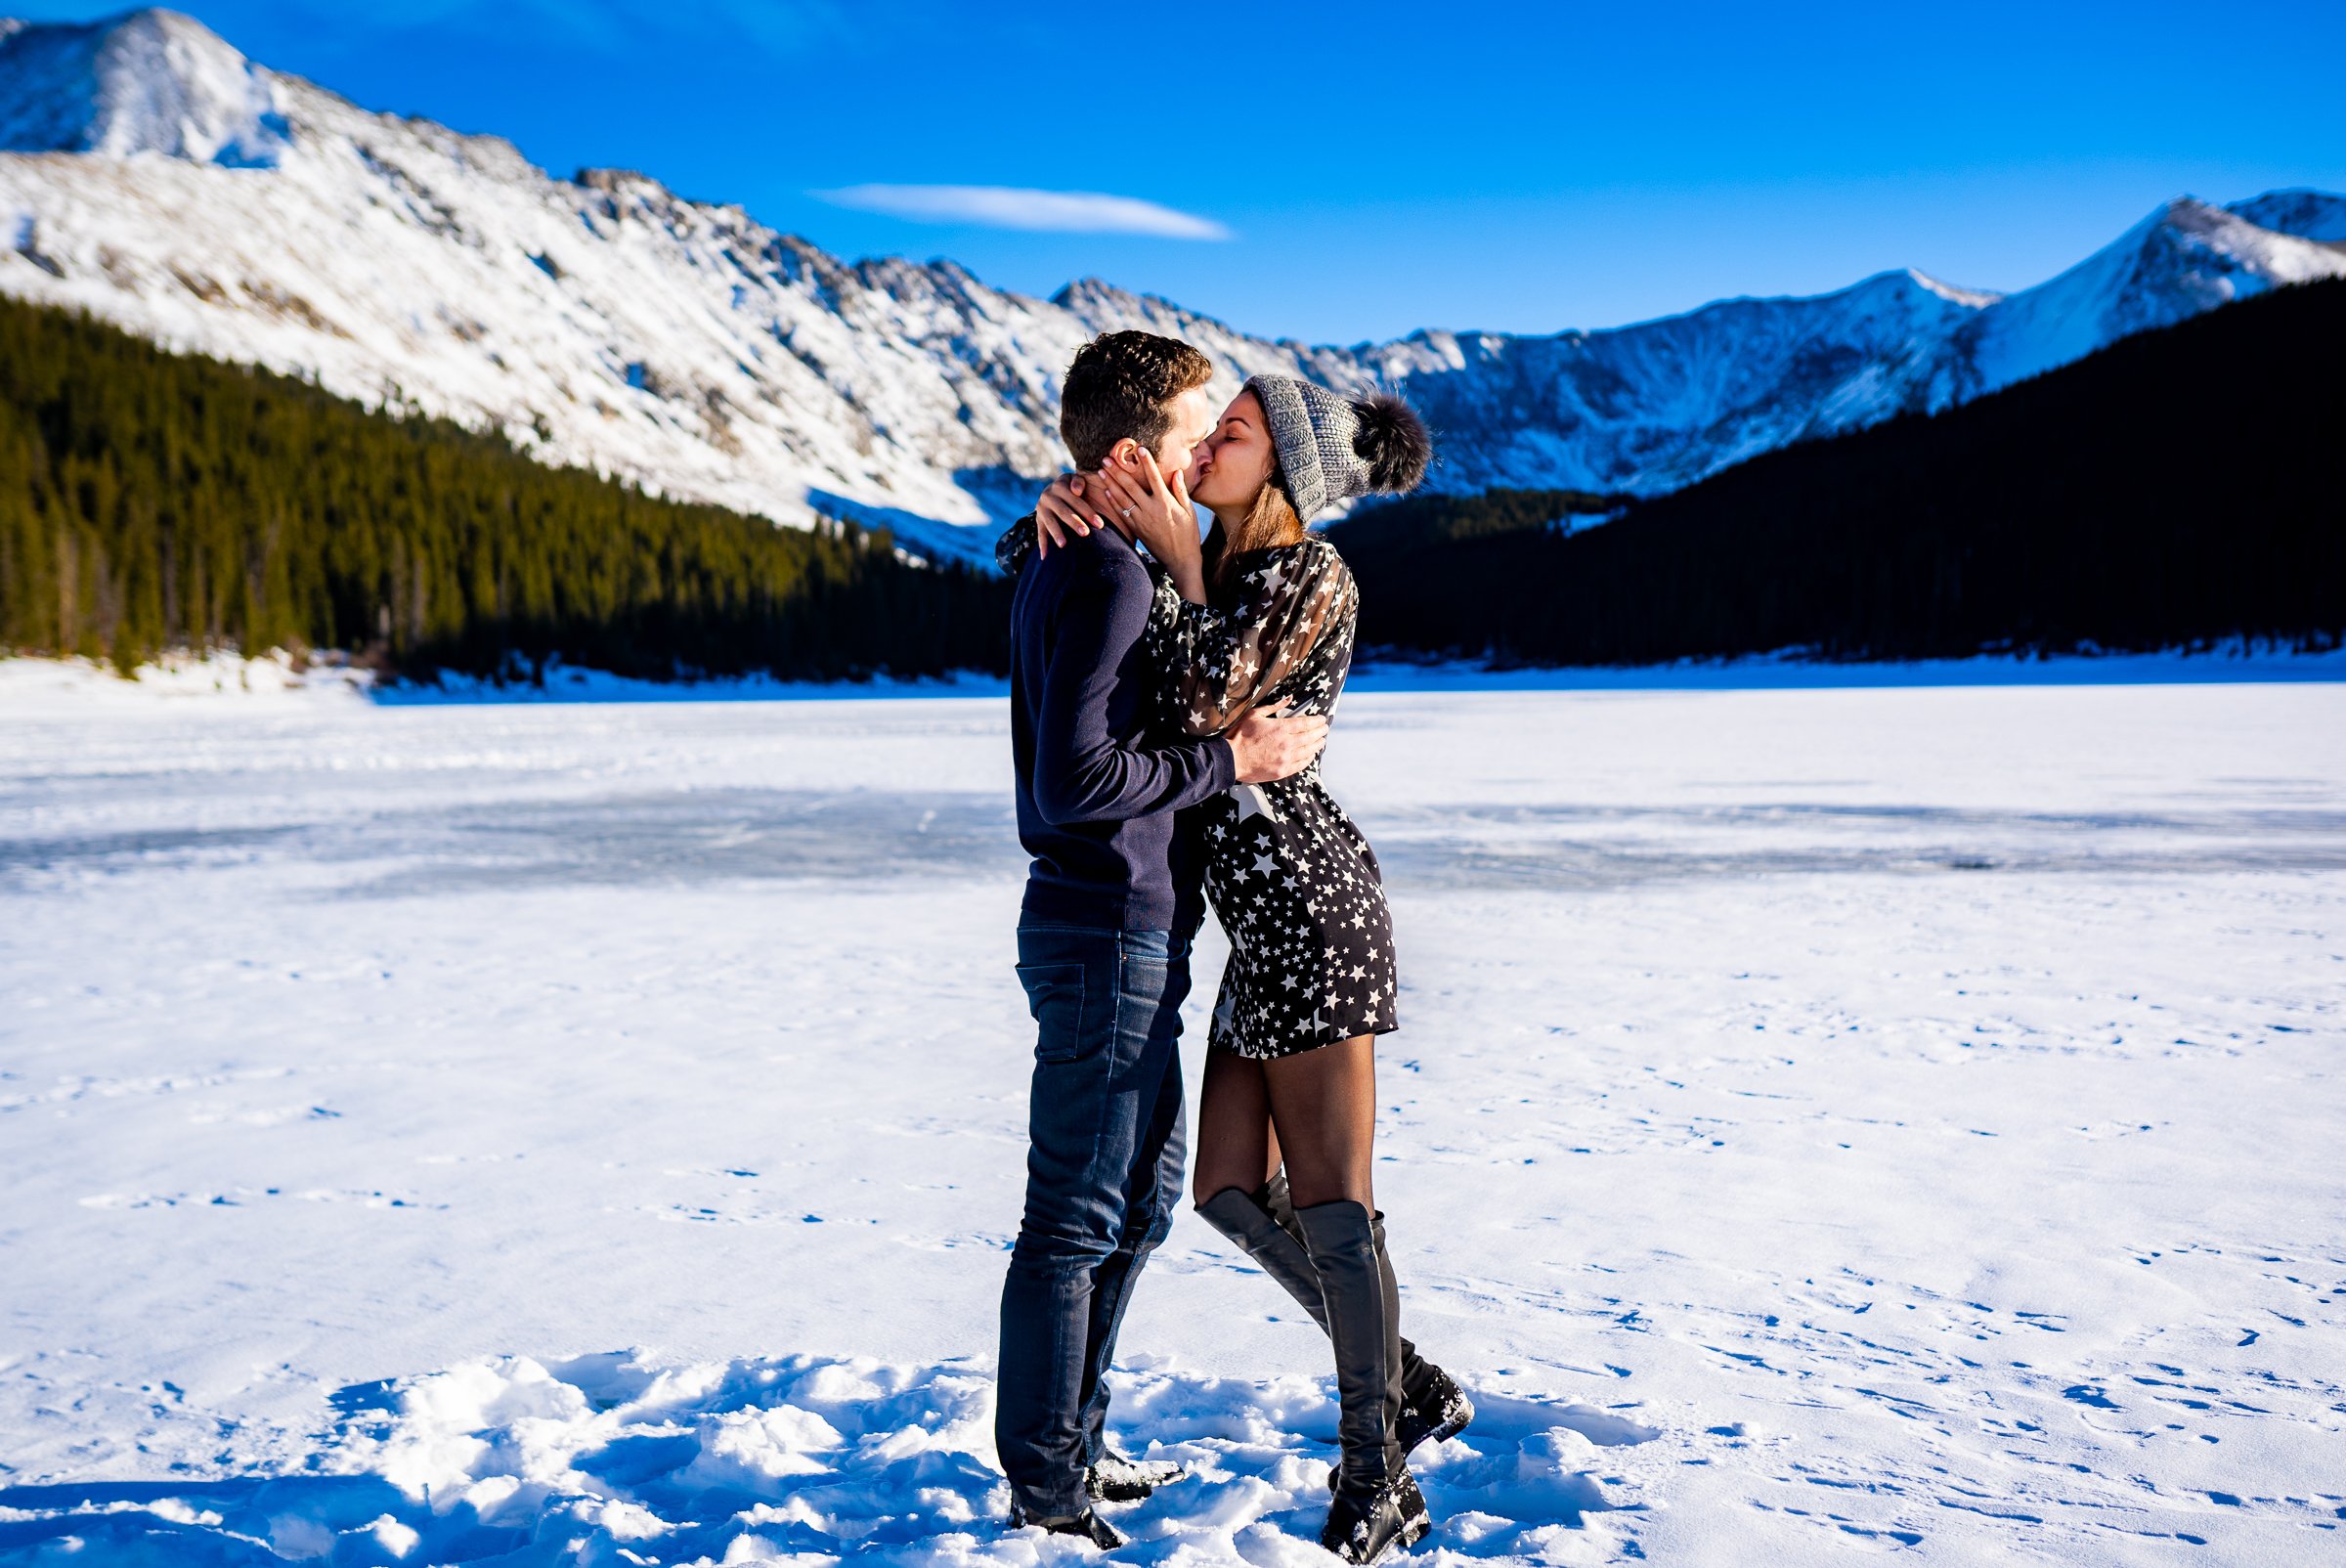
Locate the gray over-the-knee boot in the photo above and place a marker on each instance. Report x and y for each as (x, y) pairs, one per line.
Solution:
(1376, 1503)
(1433, 1407)
(1263, 1225)
(1249, 1221)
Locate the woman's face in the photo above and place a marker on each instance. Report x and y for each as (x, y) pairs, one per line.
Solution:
(1234, 462)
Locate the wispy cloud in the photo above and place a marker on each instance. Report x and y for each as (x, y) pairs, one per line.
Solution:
(1003, 206)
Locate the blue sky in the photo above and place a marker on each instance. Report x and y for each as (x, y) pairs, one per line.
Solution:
(1337, 172)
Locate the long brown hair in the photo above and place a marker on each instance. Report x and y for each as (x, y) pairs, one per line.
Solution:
(1269, 522)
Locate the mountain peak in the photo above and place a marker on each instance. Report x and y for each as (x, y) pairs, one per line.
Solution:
(2315, 215)
(1103, 307)
(148, 82)
(1095, 293)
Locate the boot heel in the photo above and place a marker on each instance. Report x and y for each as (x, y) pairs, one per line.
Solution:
(1418, 1522)
(1442, 1412)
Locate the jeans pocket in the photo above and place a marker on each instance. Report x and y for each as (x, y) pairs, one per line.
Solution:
(1055, 996)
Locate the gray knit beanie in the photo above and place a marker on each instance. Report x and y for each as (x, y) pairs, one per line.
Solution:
(1331, 448)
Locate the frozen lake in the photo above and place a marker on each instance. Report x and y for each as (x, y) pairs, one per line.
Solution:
(1825, 1122)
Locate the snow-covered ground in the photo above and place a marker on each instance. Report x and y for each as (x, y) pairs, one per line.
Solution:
(68, 687)
(1828, 1122)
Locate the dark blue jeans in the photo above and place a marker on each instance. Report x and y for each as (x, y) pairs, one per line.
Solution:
(1104, 1173)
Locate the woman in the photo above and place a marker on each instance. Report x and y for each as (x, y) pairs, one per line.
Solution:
(1261, 616)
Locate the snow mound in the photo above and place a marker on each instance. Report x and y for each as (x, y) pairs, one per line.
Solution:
(29, 684)
(610, 1458)
(32, 686)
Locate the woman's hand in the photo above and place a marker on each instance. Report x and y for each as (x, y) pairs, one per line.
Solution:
(1063, 512)
(1160, 515)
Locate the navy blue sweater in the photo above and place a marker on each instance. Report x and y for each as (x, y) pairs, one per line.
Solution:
(1097, 788)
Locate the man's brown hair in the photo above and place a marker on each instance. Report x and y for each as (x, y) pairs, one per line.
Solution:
(1123, 384)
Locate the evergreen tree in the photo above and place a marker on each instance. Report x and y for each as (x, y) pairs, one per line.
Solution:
(151, 500)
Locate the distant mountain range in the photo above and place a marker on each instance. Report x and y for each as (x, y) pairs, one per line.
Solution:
(151, 174)
(2177, 489)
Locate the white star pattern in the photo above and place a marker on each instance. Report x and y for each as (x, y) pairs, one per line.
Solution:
(1315, 913)
(1252, 802)
(1285, 866)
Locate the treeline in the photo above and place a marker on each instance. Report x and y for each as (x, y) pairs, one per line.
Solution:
(1403, 552)
(153, 500)
(1424, 521)
(2175, 489)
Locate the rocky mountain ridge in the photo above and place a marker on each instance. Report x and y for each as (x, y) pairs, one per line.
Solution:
(151, 174)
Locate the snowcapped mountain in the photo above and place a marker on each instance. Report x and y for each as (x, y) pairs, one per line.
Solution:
(151, 174)
(2307, 214)
(2186, 258)
(150, 82)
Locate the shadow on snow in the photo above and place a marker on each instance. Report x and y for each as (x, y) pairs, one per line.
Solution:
(606, 1460)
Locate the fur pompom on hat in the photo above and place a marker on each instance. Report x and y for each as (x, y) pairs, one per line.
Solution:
(1332, 448)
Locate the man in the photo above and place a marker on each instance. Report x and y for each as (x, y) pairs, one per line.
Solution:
(1112, 900)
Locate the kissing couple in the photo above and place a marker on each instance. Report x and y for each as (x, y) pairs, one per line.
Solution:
(1168, 717)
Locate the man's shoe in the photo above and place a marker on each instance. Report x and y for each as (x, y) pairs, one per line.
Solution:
(1118, 1479)
(1086, 1526)
(1394, 1516)
(1434, 1413)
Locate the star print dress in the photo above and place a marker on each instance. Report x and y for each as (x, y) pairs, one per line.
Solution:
(1292, 881)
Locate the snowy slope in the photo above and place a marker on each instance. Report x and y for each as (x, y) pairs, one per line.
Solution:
(1828, 1127)
(150, 82)
(2307, 214)
(150, 173)
(2186, 258)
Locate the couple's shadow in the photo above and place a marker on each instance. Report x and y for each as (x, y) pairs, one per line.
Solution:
(608, 1459)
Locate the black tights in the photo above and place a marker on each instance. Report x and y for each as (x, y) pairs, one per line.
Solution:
(1314, 1112)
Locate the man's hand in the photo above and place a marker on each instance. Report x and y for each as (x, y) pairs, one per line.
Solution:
(1272, 746)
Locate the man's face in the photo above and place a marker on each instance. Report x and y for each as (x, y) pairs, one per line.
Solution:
(1183, 447)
